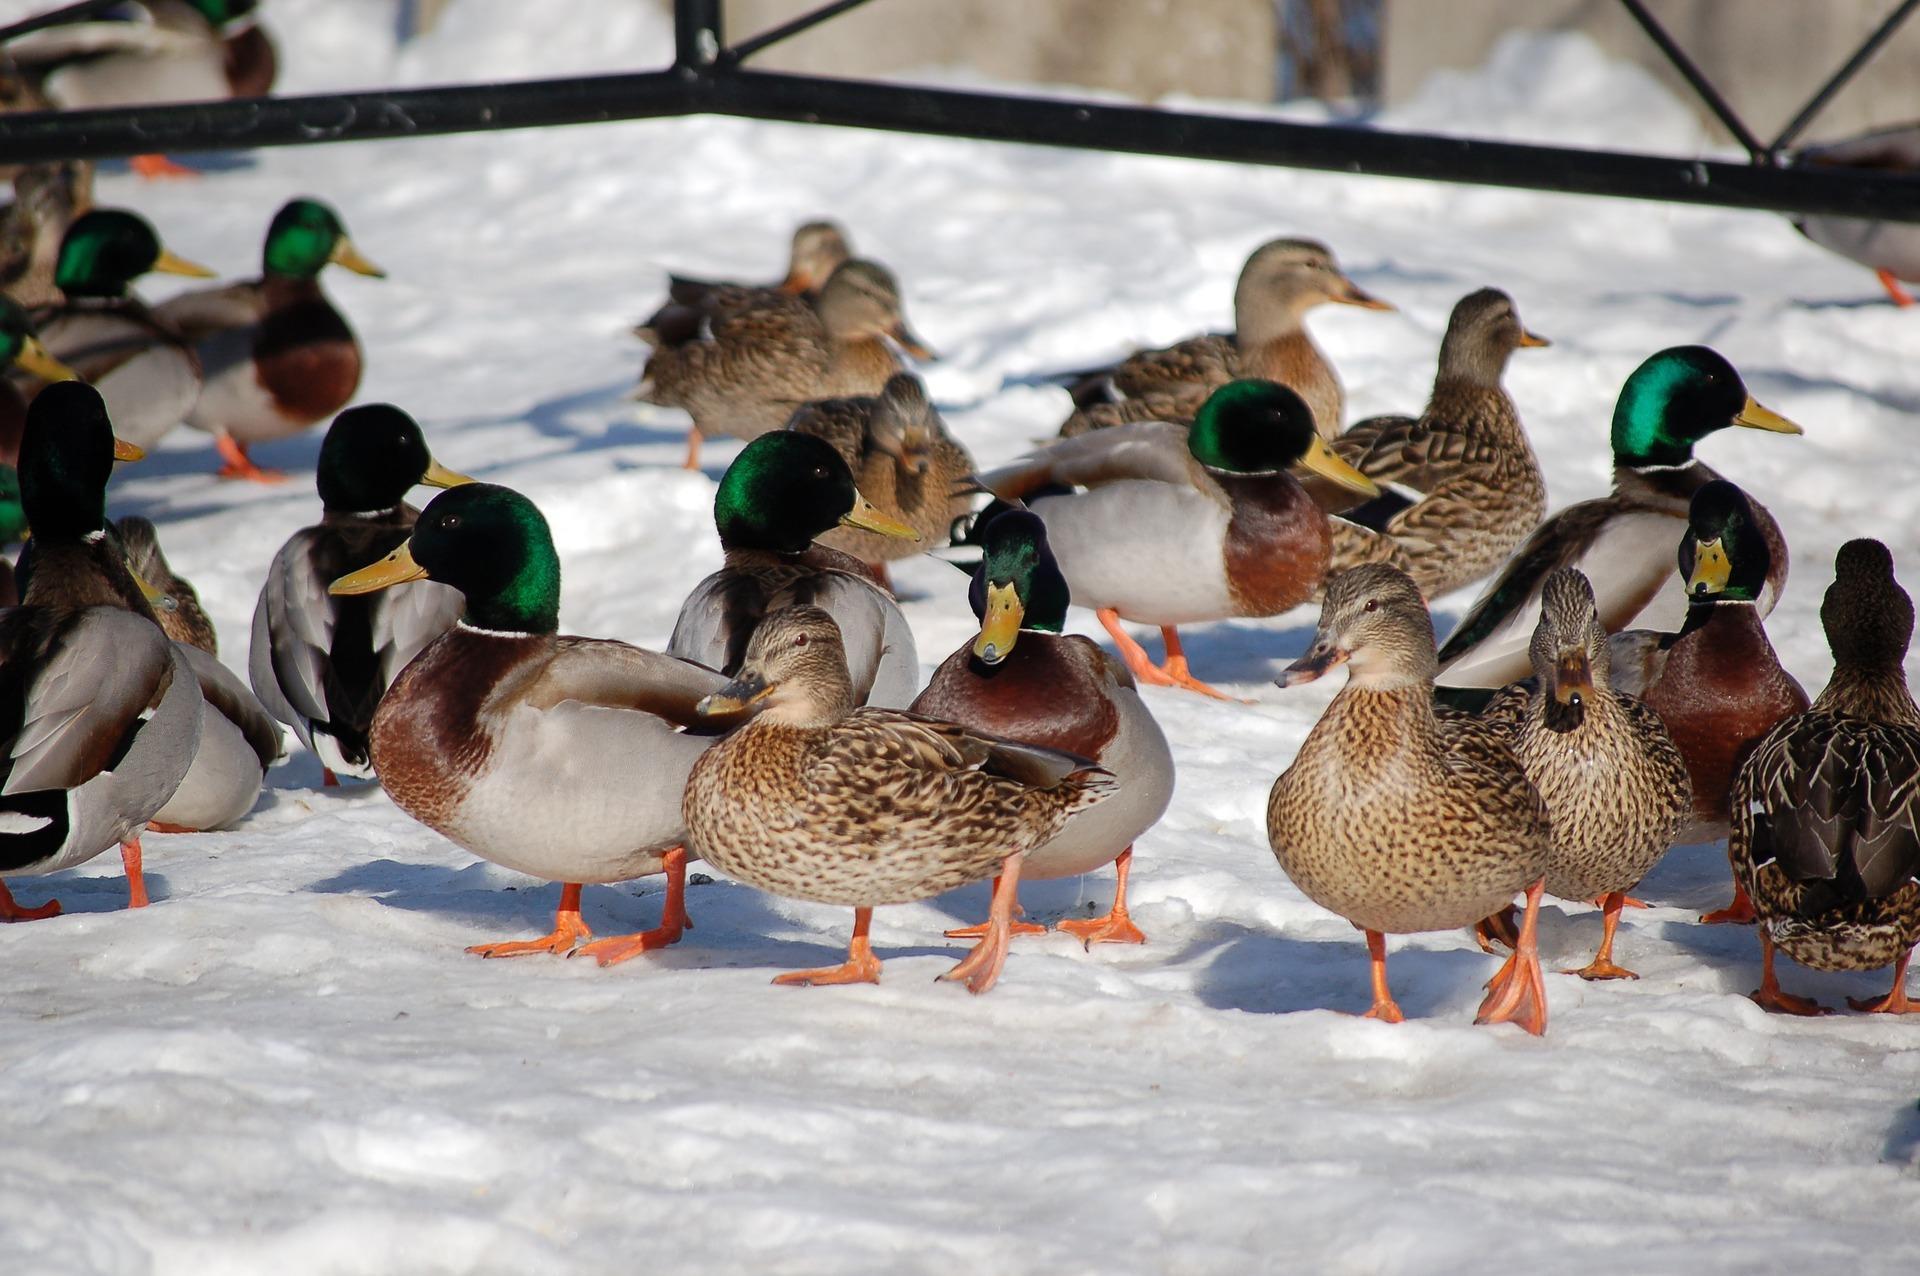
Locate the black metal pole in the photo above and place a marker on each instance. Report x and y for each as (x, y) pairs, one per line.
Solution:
(1840, 78)
(1693, 75)
(787, 30)
(698, 35)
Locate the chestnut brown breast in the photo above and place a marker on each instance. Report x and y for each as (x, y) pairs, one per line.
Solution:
(307, 357)
(1278, 543)
(1049, 691)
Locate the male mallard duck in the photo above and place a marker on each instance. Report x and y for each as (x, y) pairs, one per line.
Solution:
(1169, 526)
(1614, 784)
(23, 360)
(744, 366)
(277, 357)
(1400, 821)
(1890, 249)
(1023, 679)
(1463, 485)
(99, 712)
(182, 618)
(1623, 543)
(819, 249)
(903, 460)
(1280, 283)
(777, 497)
(147, 373)
(817, 799)
(1826, 810)
(551, 755)
(320, 662)
(151, 52)
(1717, 683)
(46, 199)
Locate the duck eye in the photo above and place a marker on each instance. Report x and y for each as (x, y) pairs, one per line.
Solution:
(450, 521)
(819, 471)
(1373, 604)
(799, 640)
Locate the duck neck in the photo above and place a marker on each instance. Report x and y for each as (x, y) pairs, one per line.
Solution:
(1877, 693)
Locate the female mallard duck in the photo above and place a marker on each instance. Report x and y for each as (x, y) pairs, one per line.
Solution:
(1398, 820)
(742, 367)
(277, 357)
(1826, 810)
(1280, 283)
(1716, 684)
(46, 199)
(147, 373)
(903, 460)
(1168, 526)
(777, 497)
(320, 662)
(552, 755)
(819, 249)
(99, 713)
(817, 799)
(1463, 486)
(1023, 679)
(181, 616)
(1891, 249)
(154, 52)
(239, 740)
(1614, 784)
(1623, 542)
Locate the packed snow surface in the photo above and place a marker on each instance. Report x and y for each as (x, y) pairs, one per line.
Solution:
(288, 1064)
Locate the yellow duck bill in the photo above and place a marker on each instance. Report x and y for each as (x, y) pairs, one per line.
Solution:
(168, 263)
(1324, 461)
(1001, 627)
(868, 519)
(345, 254)
(396, 568)
(38, 360)
(1755, 416)
(438, 475)
(1711, 569)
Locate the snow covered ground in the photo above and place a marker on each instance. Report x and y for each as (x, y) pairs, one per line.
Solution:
(287, 1064)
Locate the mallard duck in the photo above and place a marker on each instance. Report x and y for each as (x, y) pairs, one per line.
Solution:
(1826, 810)
(1280, 283)
(819, 249)
(902, 459)
(1623, 542)
(150, 52)
(277, 357)
(100, 714)
(23, 361)
(1891, 249)
(552, 755)
(1717, 683)
(1462, 485)
(1023, 679)
(181, 618)
(1400, 821)
(239, 740)
(1614, 784)
(46, 199)
(148, 374)
(777, 497)
(742, 368)
(1168, 526)
(817, 799)
(319, 662)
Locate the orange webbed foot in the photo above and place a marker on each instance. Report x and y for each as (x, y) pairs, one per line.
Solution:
(673, 920)
(1387, 1011)
(1602, 968)
(567, 931)
(1739, 912)
(860, 967)
(239, 465)
(1895, 1002)
(1518, 993)
(152, 167)
(1785, 1003)
(12, 911)
(1115, 928)
(980, 969)
(1891, 282)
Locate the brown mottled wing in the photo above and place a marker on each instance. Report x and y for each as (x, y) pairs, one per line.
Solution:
(1832, 799)
(93, 675)
(617, 675)
(1507, 712)
(1209, 361)
(1176, 404)
(841, 423)
(1478, 748)
(1151, 450)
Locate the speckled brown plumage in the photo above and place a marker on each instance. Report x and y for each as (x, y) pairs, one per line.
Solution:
(1281, 281)
(186, 621)
(1389, 816)
(755, 356)
(818, 249)
(813, 799)
(1826, 812)
(903, 461)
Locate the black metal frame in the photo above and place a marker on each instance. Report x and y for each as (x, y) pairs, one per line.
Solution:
(708, 77)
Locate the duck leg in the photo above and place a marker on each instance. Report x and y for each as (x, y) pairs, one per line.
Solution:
(239, 464)
(1518, 993)
(1739, 912)
(1384, 1007)
(136, 880)
(158, 166)
(11, 911)
(693, 449)
(1500, 928)
(1176, 667)
(979, 931)
(673, 920)
(1768, 995)
(1117, 926)
(861, 966)
(567, 931)
(1891, 282)
(1895, 1002)
(1142, 668)
(981, 967)
(1602, 967)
